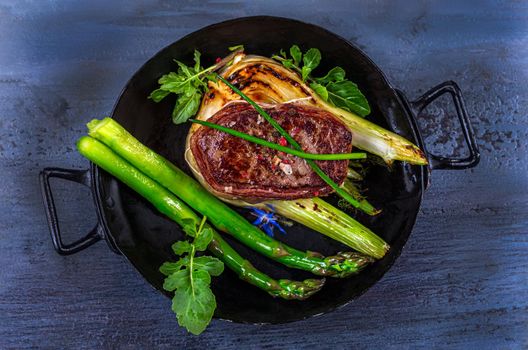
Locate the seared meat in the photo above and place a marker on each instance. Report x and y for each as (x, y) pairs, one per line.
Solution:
(235, 168)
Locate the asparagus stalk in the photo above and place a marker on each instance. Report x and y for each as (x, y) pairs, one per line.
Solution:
(283, 288)
(263, 142)
(178, 211)
(219, 214)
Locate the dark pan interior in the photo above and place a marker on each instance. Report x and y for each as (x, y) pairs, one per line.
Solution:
(144, 236)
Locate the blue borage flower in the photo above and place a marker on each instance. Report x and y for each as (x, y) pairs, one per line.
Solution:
(267, 220)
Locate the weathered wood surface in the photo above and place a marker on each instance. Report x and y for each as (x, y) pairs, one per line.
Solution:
(462, 280)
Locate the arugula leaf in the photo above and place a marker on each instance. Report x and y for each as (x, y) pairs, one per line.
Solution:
(210, 264)
(188, 83)
(305, 71)
(203, 239)
(186, 107)
(168, 268)
(320, 90)
(189, 226)
(333, 87)
(190, 278)
(158, 95)
(184, 70)
(288, 64)
(181, 247)
(176, 280)
(197, 55)
(194, 302)
(345, 94)
(312, 58)
(296, 54)
(333, 75)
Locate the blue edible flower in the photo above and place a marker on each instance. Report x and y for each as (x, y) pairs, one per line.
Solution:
(266, 220)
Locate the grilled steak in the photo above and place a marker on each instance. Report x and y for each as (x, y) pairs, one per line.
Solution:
(241, 169)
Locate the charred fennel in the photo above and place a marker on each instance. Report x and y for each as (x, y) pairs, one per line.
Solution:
(168, 204)
(352, 189)
(219, 214)
(323, 217)
(263, 142)
(288, 87)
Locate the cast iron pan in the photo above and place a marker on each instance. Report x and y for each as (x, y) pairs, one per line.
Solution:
(132, 227)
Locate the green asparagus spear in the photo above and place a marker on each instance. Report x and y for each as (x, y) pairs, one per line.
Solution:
(219, 214)
(178, 211)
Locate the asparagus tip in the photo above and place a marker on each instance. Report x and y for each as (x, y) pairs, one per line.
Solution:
(295, 290)
(344, 264)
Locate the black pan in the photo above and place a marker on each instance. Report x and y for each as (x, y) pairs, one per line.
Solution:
(132, 227)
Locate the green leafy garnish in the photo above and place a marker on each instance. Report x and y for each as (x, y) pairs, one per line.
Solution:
(311, 60)
(296, 53)
(189, 83)
(190, 278)
(346, 95)
(320, 90)
(335, 74)
(333, 87)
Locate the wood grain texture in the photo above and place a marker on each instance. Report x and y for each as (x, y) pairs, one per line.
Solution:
(462, 280)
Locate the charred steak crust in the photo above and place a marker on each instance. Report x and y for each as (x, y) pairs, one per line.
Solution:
(243, 169)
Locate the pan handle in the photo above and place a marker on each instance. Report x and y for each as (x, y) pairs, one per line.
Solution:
(439, 162)
(78, 176)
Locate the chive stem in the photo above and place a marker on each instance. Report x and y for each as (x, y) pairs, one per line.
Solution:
(263, 142)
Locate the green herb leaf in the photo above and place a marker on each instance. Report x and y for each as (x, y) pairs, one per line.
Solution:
(305, 72)
(333, 87)
(168, 268)
(181, 247)
(176, 280)
(158, 95)
(186, 107)
(210, 264)
(172, 76)
(203, 238)
(190, 226)
(312, 58)
(184, 70)
(197, 66)
(194, 302)
(236, 48)
(346, 95)
(189, 83)
(296, 54)
(211, 77)
(288, 64)
(334, 75)
(190, 277)
(320, 90)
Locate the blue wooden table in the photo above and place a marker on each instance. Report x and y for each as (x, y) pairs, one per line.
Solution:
(462, 279)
